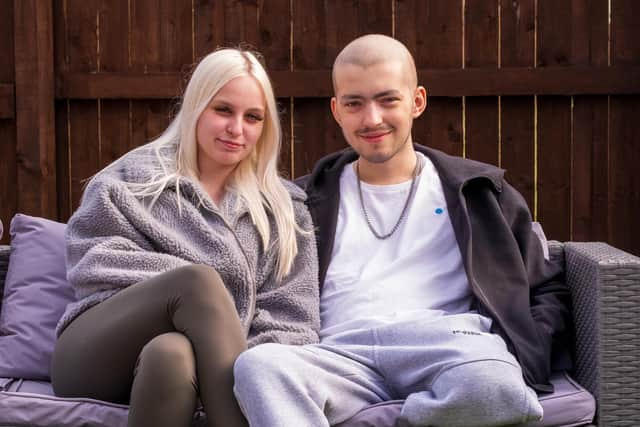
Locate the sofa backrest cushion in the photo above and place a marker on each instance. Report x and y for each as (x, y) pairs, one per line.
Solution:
(35, 296)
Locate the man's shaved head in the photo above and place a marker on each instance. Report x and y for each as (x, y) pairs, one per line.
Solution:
(372, 49)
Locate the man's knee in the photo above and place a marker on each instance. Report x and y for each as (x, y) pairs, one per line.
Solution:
(486, 388)
(261, 363)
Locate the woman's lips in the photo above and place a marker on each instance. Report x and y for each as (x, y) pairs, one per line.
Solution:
(230, 144)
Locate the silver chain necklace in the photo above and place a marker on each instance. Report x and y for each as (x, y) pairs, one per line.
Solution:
(404, 209)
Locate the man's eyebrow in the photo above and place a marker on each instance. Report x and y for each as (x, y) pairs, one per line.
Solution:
(390, 92)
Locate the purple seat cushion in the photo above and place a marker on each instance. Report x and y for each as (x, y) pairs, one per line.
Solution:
(32, 403)
(36, 294)
(568, 406)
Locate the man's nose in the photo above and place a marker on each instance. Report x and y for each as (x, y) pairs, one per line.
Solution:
(372, 115)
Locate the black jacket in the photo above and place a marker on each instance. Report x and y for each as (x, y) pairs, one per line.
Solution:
(512, 282)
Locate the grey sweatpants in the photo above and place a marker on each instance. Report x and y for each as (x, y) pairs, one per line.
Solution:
(450, 370)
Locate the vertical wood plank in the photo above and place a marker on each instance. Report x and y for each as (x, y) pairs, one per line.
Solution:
(320, 30)
(624, 187)
(625, 32)
(438, 44)
(226, 23)
(35, 128)
(590, 169)
(160, 42)
(8, 173)
(82, 51)
(481, 51)
(624, 145)
(590, 133)
(517, 140)
(554, 166)
(554, 123)
(274, 29)
(63, 148)
(115, 137)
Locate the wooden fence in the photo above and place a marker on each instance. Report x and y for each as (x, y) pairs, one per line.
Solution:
(547, 89)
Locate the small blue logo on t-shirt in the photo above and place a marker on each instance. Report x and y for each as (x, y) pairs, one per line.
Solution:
(439, 211)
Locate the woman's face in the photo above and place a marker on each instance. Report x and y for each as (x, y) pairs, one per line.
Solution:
(230, 126)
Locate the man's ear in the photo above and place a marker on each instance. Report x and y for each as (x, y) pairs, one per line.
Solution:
(334, 109)
(419, 101)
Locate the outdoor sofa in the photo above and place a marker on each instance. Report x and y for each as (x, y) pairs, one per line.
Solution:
(604, 282)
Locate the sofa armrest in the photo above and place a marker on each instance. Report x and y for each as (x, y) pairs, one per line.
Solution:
(605, 288)
(4, 265)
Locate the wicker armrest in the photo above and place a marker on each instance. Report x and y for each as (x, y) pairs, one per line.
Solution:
(605, 287)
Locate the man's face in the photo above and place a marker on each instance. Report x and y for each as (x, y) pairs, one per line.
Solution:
(375, 107)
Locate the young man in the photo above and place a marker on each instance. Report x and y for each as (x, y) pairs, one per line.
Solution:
(435, 288)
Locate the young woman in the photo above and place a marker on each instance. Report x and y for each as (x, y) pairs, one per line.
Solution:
(186, 251)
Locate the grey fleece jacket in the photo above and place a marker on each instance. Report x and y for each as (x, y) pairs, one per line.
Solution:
(114, 241)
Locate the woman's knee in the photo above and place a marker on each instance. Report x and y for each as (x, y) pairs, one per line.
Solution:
(168, 355)
(199, 283)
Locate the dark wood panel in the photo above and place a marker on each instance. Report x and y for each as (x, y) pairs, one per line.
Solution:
(7, 65)
(624, 181)
(161, 35)
(482, 138)
(438, 43)
(481, 34)
(81, 35)
(285, 165)
(113, 18)
(589, 32)
(440, 126)
(149, 119)
(517, 33)
(114, 124)
(60, 51)
(517, 144)
(625, 32)
(274, 28)
(84, 147)
(315, 133)
(322, 28)
(554, 43)
(8, 191)
(63, 153)
(82, 46)
(624, 133)
(35, 128)
(317, 83)
(7, 101)
(554, 166)
(590, 168)
(115, 132)
(517, 140)
(8, 196)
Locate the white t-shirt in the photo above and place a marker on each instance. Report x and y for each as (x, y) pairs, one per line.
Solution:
(416, 272)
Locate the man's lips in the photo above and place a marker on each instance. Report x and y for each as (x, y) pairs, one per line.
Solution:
(374, 136)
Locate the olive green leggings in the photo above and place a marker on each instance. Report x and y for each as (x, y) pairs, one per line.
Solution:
(158, 345)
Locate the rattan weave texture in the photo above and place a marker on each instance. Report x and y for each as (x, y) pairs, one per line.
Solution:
(605, 286)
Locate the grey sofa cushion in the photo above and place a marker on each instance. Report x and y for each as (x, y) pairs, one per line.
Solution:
(32, 403)
(569, 405)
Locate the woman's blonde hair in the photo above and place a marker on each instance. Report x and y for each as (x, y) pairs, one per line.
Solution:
(255, 179)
